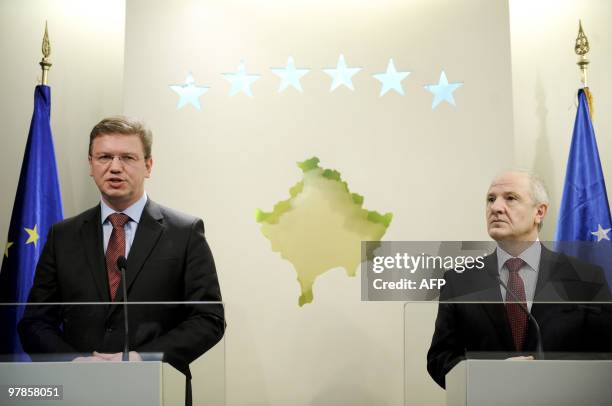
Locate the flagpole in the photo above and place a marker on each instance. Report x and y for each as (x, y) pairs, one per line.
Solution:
(582, 48)
(46, 51)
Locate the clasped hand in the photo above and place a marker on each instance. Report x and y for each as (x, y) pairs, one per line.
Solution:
(102, 357)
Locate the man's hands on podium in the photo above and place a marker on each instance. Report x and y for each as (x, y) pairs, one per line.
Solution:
(103, 357)
(521, 358)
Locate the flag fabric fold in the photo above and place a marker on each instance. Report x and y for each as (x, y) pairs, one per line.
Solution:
(36, 208)
(584, 226)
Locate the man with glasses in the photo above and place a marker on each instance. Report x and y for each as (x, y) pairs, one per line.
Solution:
(168, 260)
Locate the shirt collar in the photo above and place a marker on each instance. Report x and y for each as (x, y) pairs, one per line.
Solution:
(531, 255)
(133, 212)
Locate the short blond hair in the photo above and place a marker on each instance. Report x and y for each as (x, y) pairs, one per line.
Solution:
(123, 125)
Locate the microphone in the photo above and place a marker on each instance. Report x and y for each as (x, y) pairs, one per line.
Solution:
(122, 265)
(539, 349)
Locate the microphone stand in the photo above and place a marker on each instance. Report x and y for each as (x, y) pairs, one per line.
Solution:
(539, 349)
(121, 264)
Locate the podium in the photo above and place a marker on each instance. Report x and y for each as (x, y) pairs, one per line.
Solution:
(541, 382)
(97, 383)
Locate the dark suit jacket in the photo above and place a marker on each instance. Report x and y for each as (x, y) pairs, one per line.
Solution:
(169, 261)
(483, 327)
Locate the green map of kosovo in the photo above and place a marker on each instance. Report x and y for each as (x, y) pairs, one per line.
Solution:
(321, 226)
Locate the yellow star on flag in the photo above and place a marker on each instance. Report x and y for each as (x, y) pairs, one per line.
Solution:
(33, 235)
(6, 248)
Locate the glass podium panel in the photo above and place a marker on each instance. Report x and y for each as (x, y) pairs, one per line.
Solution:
(453, 315)
(79, 353)
(591, 342)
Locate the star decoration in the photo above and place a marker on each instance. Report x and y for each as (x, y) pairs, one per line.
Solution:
(189, 93)
(443, 91)
(391, 79)
(241, 81)
(341, 75)
(6, 248)
(601, 233)
(290, 75)
(32, 235)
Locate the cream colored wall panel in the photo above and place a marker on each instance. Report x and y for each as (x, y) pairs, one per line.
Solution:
(86, 84)
(430, 168)
(545, 82)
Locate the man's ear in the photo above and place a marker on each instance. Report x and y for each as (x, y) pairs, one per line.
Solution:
(541, 210)
(148, 166)
(90, 165)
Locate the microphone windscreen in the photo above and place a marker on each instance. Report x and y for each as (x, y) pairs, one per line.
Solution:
(121, 262)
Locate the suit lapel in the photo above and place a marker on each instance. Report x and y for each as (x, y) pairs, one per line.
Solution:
(546, 266)
(91, 234)
(495, 308)
(544, 291)
(149, 230)
(557, 279)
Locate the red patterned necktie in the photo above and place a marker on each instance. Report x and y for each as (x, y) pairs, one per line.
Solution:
(115, 249)
(516, 316)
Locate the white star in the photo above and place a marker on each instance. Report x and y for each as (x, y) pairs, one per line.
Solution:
(391, 79)
(189, 93)
(290, 75)
(241, 81)
(341, 75)
(601, 233)
(443, 90)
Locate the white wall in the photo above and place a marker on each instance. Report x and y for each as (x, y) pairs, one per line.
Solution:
(86, 84)
(545, 80)
(430, 168)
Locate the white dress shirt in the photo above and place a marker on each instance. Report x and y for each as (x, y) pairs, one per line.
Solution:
(528, 272)
(133, 212)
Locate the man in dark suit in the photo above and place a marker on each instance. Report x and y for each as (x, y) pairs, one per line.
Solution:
(547, 284)
(168, 260)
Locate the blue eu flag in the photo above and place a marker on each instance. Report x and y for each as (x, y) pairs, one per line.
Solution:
(38, 205)
(584, 228)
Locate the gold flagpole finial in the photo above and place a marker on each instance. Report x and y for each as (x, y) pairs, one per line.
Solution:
(46, 50)
(582, 48)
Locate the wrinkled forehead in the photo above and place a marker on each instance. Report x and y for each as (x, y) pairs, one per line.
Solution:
(507, 182)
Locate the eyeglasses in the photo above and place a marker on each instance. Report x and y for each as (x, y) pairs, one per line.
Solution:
(126, 159)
